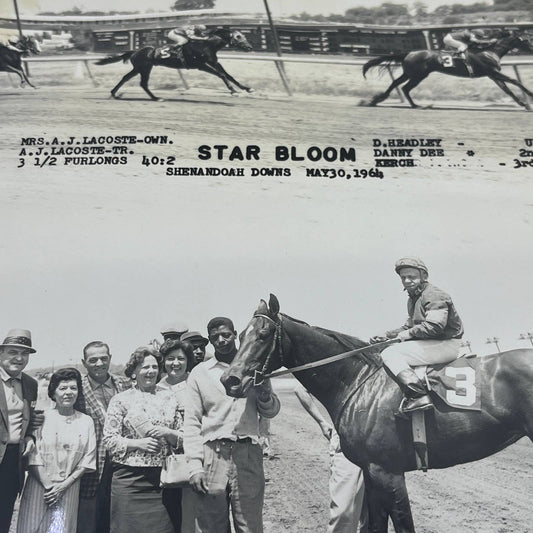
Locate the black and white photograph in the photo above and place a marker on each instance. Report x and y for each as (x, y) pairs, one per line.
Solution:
(267, 266)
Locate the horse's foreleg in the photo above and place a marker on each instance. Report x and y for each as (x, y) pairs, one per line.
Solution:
(145, 76)
(383, 96)
(222, 71)
(409, 86)
(506, 79)
(124, 79)
(387, 496)
(501, 84)
(212, 70)
(21, 74)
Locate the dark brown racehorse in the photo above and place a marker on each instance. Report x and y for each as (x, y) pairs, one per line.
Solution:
(361, 399)
(201, 55)
(419, 64)
(11, 61)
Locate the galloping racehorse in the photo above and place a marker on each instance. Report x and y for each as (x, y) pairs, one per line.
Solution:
(419, 64)
(361, 399)
(11, 61)
(201, 55)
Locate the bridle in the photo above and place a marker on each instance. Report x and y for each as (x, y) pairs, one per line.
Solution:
(260, 375)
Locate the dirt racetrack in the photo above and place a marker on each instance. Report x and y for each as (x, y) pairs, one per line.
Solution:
(488, 496)
(197, 117)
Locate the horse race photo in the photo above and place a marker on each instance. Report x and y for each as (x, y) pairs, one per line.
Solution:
(267, 266)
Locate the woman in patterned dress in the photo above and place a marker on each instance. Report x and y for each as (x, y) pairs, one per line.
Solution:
(65, 450)
(142, 425)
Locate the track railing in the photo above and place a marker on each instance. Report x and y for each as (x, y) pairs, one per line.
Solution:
(86, 59)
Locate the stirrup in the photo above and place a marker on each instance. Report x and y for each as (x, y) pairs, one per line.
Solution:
(409, 405)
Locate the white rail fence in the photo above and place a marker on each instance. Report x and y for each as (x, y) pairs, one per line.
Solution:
(277, 60)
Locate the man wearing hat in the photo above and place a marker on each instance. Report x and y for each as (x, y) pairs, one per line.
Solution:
(430, 335)
(198, 343)
(174, 330)
(18, 395)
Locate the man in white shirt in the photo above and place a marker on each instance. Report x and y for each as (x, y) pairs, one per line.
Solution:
(222, 440)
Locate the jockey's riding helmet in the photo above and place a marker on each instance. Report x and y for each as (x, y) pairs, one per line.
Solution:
(412, 262)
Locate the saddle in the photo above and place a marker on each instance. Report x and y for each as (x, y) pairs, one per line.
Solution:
(455, 384)
(169, 51)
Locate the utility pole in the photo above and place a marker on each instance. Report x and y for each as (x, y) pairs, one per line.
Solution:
(279, 64)
(19, 27)
(525, 336)
(466, 344)
(495, 341)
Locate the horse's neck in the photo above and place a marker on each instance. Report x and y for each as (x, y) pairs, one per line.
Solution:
(500, 49)
(329, 383)
(218, 42)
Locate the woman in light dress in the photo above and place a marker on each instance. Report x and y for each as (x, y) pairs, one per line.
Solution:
(65, 450)
(142, 425)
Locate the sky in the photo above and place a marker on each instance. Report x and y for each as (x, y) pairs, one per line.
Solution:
(252, 6)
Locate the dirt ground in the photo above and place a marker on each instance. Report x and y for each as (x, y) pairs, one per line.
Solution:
(488, 496)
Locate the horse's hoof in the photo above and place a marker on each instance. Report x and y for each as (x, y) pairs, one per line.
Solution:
(115, 96)
(158, 99)
(234, 93)
(250, 90)
(362, 103)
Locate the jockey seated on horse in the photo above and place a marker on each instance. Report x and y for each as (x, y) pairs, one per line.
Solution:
(431, 334)
(184, 34)
(11, 45)
(460, 42)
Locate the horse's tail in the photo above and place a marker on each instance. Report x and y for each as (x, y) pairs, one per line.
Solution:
(388, 59)
(115, 59)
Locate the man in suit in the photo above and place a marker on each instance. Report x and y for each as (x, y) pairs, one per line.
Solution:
(98, 386)
(18, 394)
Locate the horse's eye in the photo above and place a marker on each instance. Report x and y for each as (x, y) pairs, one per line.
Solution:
(263, 334)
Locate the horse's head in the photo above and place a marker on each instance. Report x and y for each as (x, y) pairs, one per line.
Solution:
(514, 40)
(259, 350)
(240, 41)
(29, 45)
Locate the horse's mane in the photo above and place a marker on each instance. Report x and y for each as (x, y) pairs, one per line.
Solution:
(348, 342)
(223, 33)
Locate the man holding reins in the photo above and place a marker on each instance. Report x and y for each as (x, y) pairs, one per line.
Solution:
(460, 41)
(430, 335)
(184, 34)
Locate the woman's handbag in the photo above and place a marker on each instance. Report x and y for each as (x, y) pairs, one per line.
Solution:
(175, 471)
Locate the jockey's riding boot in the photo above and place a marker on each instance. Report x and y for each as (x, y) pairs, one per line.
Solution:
(416, 393)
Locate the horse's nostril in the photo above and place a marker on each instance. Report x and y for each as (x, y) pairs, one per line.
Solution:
(232, 381)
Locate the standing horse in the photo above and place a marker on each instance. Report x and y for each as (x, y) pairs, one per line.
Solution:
(11, 60)
(419, 64)
(361, 399)
(201, 55)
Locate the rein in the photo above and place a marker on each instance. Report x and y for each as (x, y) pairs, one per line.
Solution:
(260, 376)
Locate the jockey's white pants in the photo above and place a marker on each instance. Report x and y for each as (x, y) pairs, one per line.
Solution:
(178, 39)
(405, 355)
(450, 42)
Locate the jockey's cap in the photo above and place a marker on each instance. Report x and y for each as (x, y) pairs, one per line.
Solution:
(412, 262)
(200, 27)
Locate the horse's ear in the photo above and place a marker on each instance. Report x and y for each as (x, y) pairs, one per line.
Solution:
(273, 304)
(263, 308)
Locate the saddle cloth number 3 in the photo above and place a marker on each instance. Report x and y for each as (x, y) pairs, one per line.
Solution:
(447, 61)
(465, 380)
